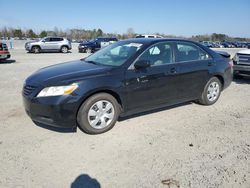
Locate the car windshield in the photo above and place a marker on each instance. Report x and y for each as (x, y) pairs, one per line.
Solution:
(115, 54)
(92, 40)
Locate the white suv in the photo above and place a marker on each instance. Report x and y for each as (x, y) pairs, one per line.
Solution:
(46, 44)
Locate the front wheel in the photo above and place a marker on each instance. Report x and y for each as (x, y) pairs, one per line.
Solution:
(36, 49)
(88, 50)
(98, 113)
(211, 92)
(64, 49)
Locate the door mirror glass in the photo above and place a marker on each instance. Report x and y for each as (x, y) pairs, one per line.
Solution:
(142, 64)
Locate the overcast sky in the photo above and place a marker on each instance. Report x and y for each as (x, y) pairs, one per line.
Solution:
(177, 17)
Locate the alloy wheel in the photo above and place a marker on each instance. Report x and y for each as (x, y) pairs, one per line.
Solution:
(213, 91)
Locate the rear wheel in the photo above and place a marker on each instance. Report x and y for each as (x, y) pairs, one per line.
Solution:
(98, 113)
(211, 92)
(64, 49)
(36, 49)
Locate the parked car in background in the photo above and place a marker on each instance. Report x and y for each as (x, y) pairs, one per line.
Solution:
(226, 44)
(49, 44)
(218, 44)
(148, 36)
(125, 78)
(208, 44)
(247, 45)
(231, 44)
(96, 44)
(242, 63)
(4, 52)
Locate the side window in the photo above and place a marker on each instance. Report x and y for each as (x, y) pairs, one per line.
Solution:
(190, 52)
(158, 54)
(56, 39)
(47, 39)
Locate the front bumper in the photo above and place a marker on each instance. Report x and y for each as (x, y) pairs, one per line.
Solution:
(53, 111)
(241, 69)
(81, 49)
(27, 48)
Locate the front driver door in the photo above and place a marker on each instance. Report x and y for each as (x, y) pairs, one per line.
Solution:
(149, 87)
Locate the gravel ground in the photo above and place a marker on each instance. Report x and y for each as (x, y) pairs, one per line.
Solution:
(187, 146)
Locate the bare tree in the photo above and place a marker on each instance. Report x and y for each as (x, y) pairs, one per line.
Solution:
(130, 32)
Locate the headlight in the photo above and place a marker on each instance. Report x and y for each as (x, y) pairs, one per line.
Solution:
(57, 90)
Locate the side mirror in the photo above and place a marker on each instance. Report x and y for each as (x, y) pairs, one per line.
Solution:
(43, 40)
(142, 64)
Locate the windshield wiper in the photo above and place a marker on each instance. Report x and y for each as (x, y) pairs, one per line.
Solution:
(93, 62)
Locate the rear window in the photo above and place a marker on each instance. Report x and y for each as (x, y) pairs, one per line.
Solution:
(190, 52)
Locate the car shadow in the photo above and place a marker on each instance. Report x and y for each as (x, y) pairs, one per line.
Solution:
(7, 61)
(51, 52)
(85, 181)
(153, 111)
(242, 80)
(55, 129)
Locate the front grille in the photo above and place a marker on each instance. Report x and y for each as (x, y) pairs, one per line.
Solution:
(244, 59)
(28, 89)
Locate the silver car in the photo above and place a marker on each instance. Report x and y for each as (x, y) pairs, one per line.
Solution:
(49, 44)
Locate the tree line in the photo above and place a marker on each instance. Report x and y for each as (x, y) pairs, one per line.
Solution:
(81, 34)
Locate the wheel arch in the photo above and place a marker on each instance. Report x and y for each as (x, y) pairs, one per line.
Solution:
(64, 45)
(36, 45)
(109, 91)
(222, 81)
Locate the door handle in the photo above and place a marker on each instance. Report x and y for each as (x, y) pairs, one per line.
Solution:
(142, 79)
(173, 71)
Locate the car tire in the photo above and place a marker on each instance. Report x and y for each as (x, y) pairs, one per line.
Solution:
(98, 113)
(36, 49)
(88, 50)
(64, 49)
(211, 92)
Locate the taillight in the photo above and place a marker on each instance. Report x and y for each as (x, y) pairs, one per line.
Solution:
(231, 63)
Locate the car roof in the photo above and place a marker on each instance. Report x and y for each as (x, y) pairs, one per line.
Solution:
(106, 37)
(155, 40)
(53, 37)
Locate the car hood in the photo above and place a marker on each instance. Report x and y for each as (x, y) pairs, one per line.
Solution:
(32, 41)
(86, 43)
(66, 73)
(244, 52)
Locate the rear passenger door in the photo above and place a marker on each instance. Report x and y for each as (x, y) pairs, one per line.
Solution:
(194, 65)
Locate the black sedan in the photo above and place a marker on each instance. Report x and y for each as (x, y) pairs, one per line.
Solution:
(125, 78)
